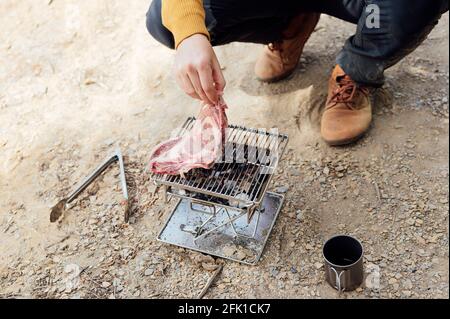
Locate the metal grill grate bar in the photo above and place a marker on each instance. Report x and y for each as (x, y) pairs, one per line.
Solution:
(226, 166)
(256, 192)
(257, 176)
(261, 151)
(234, 178)
(252, 168)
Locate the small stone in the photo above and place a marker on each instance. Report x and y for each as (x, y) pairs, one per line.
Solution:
(407, 293)
(326, 171)
(282, 189)
(392, 281)
(274, 272)
(149, 272)
(432, 239)
(211, 266)
(421, 241)
(116, 282)
(240, 255)
(318, 265)
(228, 251)
(340, 168)
(292, 214)
(125, 253)
(106, 284)
(93, 189)
(372, 281)
(407, 284)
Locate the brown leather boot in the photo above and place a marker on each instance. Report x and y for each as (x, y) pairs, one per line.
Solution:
(280, 59)
(348, 112)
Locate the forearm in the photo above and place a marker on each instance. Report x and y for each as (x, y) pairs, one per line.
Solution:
(184, 18)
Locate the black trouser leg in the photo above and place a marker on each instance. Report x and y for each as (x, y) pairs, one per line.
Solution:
(254, 21)
(156, 27)
(404, 25)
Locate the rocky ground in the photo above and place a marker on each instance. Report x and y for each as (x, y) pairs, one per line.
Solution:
(77, 80)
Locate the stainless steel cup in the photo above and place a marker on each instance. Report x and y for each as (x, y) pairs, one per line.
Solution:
(344, 269)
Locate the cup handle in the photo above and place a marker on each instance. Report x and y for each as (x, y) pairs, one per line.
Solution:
(338, 280)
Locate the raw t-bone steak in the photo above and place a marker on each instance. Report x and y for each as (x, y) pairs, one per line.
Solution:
(198, 148)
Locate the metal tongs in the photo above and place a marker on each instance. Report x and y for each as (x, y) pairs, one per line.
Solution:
(58, 210)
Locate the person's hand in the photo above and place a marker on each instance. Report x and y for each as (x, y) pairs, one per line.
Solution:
(197, 70)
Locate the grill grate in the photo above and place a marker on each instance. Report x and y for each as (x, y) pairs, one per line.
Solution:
(244, 171)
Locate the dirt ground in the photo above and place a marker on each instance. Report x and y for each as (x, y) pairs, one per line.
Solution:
(78, 78)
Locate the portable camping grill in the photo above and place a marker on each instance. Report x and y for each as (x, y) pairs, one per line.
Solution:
(209, 215)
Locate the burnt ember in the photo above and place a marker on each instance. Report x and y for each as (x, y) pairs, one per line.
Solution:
(232, 179)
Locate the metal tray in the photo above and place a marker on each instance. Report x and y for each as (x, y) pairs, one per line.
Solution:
(240, 241)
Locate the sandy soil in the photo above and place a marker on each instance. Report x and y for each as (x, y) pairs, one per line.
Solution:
(78, 78)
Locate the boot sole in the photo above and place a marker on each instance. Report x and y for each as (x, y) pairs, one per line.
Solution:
(277, 78)
(346, 141)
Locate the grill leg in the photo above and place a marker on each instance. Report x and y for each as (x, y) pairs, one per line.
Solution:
(254, 230)
(229, 221)
(211, 207)
(203, 225)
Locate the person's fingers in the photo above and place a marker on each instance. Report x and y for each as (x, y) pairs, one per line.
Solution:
(218, 77)
(194, 78)
(186, 85)
(207, 83)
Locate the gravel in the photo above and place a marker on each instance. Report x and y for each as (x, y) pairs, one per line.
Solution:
(390, 190)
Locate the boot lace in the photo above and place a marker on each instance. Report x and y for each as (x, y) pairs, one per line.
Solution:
(345, 93)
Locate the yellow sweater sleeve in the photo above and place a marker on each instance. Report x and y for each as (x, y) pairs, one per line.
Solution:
(184, 18)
